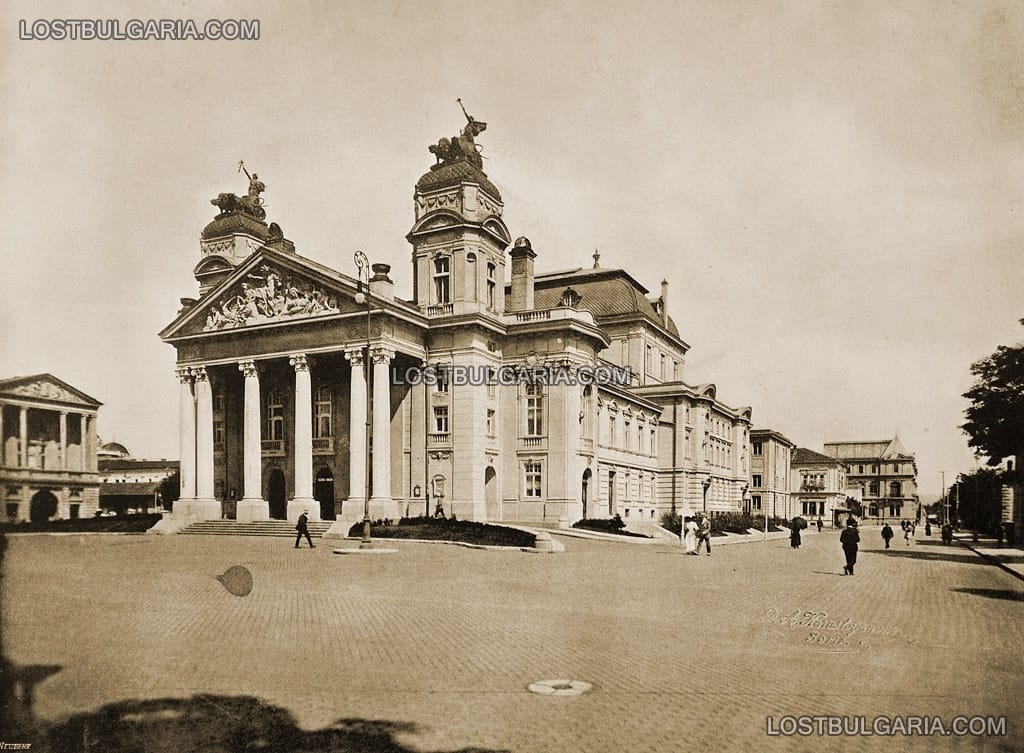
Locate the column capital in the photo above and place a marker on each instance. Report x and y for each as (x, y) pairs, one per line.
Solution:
(248, 368)
(184, 374)
(382, 354)
(199, 372)
(355, 356)
(299, 362)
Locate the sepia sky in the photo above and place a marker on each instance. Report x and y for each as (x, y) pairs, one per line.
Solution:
(834, 191)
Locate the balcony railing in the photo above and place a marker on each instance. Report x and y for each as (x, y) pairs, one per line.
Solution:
(439, 439)
(531, 442)
(440, 309)
(273, 448)
(323, 445)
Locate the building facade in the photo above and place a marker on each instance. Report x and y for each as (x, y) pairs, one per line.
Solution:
(884, 471)
(48, 433)
(770, 459)
(819, 486)
(128, 483)
(493, 391)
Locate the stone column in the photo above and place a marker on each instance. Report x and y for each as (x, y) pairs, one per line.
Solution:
(63, 440)
(381, 504)
(205, 507)
(182, 507)
(23, 438)
(303, 500)
(252, 506)
(352, 508)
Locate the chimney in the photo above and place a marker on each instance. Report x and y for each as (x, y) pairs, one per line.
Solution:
(664, 303)
(380, 284)
(522, 276)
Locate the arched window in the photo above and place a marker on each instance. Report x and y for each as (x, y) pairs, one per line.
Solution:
(895, 489)
(442, 279)
(323, 426)
(275, 416)
(471, 281)
(873, 489)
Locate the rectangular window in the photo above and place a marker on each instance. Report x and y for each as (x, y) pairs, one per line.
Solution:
(756, 448)
(612, 430)
(626, 436)
(492, 286)
(218, 434)
(275, 417)
(654, 441)
(756, 480)
(534, 410)
(218, 401)
(755, 501)
(649, 365)
(322, 426)
(441, 419)
(492, 382)
(490, 422)
(442, 281)
(532, 479)
(443, 379)
(675, 371)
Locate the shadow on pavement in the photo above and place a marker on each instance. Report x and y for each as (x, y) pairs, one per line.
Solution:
(992, 593)
(215, 723)
(941, 555)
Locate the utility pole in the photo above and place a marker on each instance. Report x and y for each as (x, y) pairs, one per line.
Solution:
(945, 500)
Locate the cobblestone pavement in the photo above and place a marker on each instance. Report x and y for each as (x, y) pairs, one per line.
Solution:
(682, 651)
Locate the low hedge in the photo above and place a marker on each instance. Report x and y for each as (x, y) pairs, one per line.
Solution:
(120, 524)
(447, 529)
(606, 525)
(723, 522)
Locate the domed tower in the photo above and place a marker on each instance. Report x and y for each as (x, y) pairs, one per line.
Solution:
(234, 234)
(458, 239)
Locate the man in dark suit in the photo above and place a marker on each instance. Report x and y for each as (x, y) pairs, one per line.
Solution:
(303, 530)
(850, 538)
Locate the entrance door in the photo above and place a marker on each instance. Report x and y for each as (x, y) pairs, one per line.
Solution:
(43, 506)
(491, 494)
(583, 493)
(611, 492)
(276, 495)
(323, 492)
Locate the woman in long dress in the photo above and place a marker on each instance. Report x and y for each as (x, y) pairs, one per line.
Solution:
(689, 536)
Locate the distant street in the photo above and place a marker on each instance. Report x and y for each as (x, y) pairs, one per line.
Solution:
(442, 641)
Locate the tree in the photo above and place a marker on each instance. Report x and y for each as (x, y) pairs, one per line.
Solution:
(995, 417)
(976, 499)
(170, 490)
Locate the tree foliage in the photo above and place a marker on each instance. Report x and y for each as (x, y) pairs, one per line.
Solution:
(976, 500)
(995, 417)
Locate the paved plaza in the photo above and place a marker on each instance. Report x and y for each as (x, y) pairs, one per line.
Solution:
(432, 648)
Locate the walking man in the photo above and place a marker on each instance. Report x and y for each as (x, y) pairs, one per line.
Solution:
(887, 534)
(850, 538)
(704, 534)
(303, 530)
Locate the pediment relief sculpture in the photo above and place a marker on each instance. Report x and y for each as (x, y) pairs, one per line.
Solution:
(46, 391)
(267, 296)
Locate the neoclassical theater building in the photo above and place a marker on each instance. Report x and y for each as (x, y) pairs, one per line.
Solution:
(495, 390)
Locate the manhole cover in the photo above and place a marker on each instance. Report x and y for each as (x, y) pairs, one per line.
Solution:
(560, 687)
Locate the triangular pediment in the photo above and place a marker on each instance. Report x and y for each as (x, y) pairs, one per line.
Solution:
(270, 288)
(46, 387)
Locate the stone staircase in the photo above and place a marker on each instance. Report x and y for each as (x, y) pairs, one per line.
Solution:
(280, 528)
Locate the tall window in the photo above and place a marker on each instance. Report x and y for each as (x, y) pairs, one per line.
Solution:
(895, 489)
(585, 429)
(492, 286)
(275, 416)
(756, 481)
(533, 479)
(756, 448)
(492, 381)
(675, 371)
(471, 281)
(442, 279)
(490, 422)
(654, 440)
(626, 423)
(322, 427)
(612, 430)
(218, 434)
(755, 501)
(218, 401)
(441, 419)
(873, 488)
(443, 379)
(649, 366)
(534, 410)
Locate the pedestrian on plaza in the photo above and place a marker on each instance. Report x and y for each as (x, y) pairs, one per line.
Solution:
(819, 524)
(947, 533)
(887, 534)
(927, 528)
(704, 534)
(794, 534)
(849, 539)
(999, 536)
(689, 536)
(302, 527)
(908, 533)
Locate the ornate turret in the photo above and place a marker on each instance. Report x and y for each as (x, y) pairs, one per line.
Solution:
(235, 233)
(459, 238)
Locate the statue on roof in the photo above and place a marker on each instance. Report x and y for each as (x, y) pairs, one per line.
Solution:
(251, 204)
(461, 148)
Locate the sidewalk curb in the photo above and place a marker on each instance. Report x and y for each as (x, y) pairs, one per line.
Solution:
(989, 558)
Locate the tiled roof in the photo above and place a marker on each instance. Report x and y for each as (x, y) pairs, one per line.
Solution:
(454, 173)
(604, 292)
(803, 455)
(880, 449)
(124, 464)
(129, 489)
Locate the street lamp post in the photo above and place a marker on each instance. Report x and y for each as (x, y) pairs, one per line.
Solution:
(363, 270)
